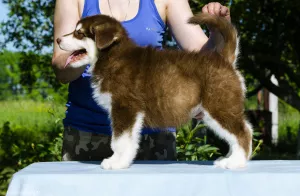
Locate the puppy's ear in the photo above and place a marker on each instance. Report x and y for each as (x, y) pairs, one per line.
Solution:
(104, 36)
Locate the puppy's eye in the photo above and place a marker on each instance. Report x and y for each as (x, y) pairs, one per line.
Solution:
(79, 34)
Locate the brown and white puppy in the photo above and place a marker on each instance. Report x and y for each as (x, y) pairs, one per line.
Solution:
(143, 86)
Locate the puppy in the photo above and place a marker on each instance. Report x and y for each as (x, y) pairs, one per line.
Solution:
(144, 86)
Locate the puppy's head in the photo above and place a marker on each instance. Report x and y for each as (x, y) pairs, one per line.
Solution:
(90, 35)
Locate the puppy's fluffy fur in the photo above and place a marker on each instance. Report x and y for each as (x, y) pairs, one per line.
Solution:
(143, 86)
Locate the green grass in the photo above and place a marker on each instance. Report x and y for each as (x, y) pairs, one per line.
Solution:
(288, 118)
(289, 121)
(38, 116)
(35, 116)
(251, 103)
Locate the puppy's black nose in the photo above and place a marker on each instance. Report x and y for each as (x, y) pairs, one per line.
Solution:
(58, 40)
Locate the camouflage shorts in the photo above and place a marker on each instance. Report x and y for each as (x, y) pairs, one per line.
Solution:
(86, 146)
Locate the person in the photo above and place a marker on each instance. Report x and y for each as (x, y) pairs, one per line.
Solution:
(87, 132)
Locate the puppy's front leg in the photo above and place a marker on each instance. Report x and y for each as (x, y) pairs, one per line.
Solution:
(127, 126)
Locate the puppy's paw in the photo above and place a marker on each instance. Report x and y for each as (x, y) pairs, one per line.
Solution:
(107, 163)
(112, 163)
(231, 163)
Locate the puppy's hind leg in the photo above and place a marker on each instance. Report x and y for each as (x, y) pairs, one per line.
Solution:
(126, 126)
(238, 134)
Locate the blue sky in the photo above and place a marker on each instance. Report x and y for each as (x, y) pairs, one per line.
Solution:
(3, 16)
(3, 11)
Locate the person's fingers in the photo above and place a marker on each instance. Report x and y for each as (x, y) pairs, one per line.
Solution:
(205, 9)
(225, 12)
(217, 8)
(210, 8)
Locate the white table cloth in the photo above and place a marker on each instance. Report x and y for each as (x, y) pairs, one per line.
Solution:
(260, 178)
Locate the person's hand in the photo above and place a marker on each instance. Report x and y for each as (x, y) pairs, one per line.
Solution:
(217, 9)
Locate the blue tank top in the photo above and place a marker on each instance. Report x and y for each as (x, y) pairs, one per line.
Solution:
(82, 113)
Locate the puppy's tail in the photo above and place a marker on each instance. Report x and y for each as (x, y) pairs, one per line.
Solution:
(224, 40)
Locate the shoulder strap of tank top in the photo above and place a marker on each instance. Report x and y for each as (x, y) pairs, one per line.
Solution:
(90, 6)
(151, 9)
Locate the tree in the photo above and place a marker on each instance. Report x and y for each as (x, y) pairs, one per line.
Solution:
(30, 29)
(269, 32)
(9, 78)
(269, 38)
(30, 24)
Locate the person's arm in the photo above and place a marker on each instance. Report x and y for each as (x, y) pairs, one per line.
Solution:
(66, 17)
(190, 37)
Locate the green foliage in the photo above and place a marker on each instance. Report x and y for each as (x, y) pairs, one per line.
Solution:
(21, 147)
(257, 143)
(267, 47)
(29, 76)
(190, 147)
(30, 24)
(193, 143)
(9, 77)
(38, 78)
(31, 132)
(29, 73)
(37, 116)
(289, 121)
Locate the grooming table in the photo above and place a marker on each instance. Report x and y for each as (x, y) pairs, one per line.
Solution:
(260, 178)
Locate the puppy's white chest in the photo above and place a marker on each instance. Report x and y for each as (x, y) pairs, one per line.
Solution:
(102, 98)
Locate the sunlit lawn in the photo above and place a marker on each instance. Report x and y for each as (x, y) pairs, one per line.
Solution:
(34, 116)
